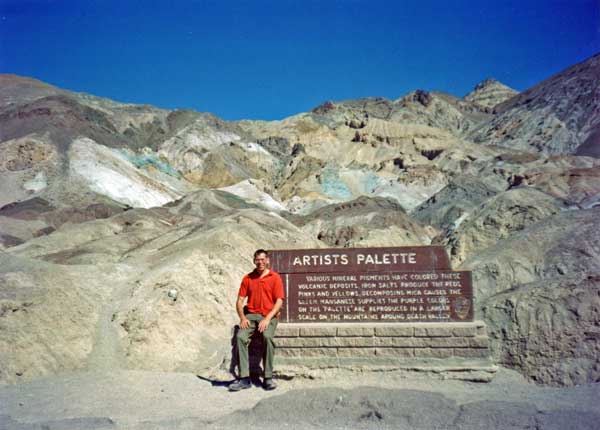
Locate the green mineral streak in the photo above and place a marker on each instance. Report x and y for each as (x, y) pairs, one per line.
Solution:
(332, 185)
(140, 161)
(371, 182)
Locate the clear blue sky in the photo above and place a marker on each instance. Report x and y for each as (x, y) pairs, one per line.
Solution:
(271, 59)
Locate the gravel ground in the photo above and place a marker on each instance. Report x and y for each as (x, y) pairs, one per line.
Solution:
(155, 400)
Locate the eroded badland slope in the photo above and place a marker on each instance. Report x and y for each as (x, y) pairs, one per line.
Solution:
(105, 207)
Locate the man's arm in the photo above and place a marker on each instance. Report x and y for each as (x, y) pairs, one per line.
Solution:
(264, 323)
(239, 306)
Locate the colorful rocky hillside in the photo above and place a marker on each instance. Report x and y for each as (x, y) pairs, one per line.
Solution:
(105, 207)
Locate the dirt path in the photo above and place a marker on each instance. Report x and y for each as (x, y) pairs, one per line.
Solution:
(107, 353)
(154, 400)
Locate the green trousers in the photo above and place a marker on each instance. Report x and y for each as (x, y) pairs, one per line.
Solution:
(243, 340)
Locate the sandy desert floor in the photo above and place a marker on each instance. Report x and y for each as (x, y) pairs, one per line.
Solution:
(154, 400)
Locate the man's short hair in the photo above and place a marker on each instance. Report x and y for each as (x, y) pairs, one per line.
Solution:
(260, 251)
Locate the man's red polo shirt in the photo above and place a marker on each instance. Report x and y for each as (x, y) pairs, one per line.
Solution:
(261, 292)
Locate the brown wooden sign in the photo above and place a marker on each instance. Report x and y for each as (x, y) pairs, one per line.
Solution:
(412, 284)
(409, 259)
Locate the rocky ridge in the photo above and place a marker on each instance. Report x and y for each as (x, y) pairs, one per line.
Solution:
(560, 115)
(490, 93)
(105, 207)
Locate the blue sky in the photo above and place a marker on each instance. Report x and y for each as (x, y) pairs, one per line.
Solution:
(271, 59)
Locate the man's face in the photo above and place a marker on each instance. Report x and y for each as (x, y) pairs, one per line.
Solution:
(261, 261)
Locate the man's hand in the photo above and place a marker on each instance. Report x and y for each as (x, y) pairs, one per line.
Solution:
(263, 324)
(239, 306)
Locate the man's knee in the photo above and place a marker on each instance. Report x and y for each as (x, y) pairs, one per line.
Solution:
(268, 335)
(243, 335)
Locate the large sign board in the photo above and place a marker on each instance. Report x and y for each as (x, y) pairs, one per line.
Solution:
(405, 284)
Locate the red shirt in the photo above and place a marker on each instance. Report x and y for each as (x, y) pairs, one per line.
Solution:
(261, 292)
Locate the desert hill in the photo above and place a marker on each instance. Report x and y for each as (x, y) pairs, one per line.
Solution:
(489, 93)
(106, 206)
(557, 116)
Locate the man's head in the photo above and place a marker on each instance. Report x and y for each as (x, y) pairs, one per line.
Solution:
(261, 260)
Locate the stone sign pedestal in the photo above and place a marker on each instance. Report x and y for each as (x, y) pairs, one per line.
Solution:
(454, 351)
(400, 308)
